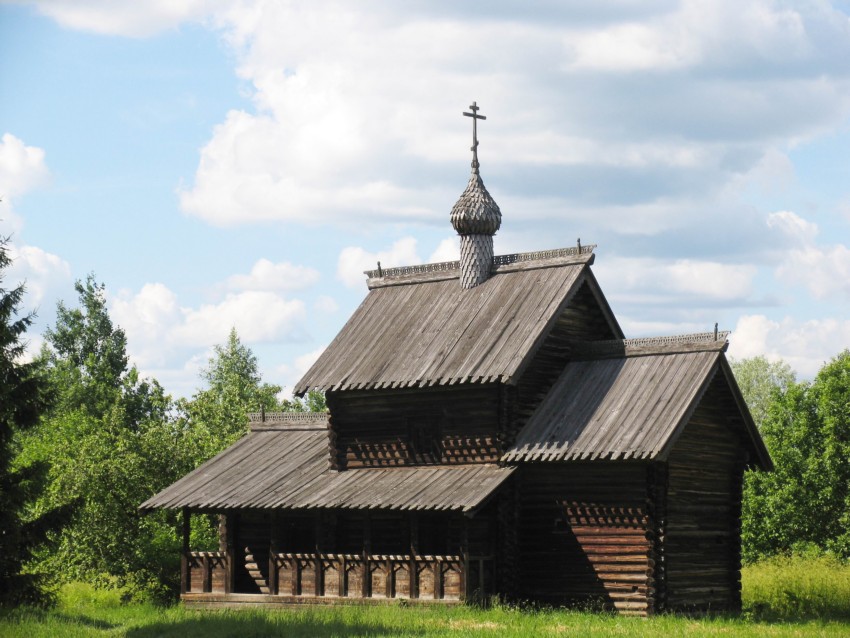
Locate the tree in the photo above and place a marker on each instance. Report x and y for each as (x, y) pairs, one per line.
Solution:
(805, 502)
(219, 414)
(22, 400)
(112, 443)
(760, 381)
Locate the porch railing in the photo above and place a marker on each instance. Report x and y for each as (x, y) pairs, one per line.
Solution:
(353, 575)
(375, 576)
(206, 572)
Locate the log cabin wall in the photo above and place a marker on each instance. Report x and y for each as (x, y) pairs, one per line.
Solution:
(702, 541)
(384, 428)
(586, 535)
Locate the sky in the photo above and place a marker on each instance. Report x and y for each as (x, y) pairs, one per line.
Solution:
(239, 164)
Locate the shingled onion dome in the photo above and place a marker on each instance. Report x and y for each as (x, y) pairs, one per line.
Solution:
(476, 218)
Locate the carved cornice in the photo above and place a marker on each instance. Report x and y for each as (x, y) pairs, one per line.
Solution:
(498, 260)
(697, 342)
(275, 420)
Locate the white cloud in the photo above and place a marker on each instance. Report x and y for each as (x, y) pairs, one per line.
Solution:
(43, 273)
(804, 345)
(22, 168)
(353, 260)
(159, 330)
(823, 270)
(268, 276)
(292, 373)
(646, 280)
(447, 250)
(136, 19)
(326, 145)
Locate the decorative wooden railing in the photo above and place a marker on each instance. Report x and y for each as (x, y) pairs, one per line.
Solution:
(351, 575)
(205, 572)
(375, 576)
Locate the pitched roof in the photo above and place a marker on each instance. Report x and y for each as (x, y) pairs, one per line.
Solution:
(418, 327)
(286, 466)
(628, 399)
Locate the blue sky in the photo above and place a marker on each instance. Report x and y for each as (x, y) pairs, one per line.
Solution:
(218, 164)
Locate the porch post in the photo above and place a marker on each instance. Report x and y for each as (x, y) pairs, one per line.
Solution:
(273, 549)
(367, 551)
(230, 554)
(414, 552)
(464, 551)
(184, 556)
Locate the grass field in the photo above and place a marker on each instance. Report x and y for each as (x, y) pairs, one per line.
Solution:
(787, 597)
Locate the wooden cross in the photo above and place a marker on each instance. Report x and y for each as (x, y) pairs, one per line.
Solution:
(475, 117)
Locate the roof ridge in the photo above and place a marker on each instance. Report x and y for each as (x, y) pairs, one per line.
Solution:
(693, 342)
(288, 420)
(498, 260)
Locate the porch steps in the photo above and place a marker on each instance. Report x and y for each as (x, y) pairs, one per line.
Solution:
(255, 573)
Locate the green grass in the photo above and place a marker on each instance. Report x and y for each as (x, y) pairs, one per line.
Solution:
(783, 597)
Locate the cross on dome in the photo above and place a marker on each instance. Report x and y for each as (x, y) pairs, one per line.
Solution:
(475, 117)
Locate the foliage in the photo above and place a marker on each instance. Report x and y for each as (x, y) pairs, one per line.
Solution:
(111, 445)
(22, 399)
(805, 501)
(761, 381)
(218, 414)
(796, 587)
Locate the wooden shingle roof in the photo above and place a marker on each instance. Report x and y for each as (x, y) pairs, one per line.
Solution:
(418, 327)
(286, 467)
(629, 399)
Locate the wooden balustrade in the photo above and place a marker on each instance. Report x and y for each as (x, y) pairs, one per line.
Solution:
(206, 572)
(374, 576)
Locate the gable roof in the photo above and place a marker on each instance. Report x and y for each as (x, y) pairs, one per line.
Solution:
(629, 399)
(285, 465)
(418, 327)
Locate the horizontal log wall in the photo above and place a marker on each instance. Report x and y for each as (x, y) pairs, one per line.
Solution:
(702, 543)
(586, 536)
(386, 428)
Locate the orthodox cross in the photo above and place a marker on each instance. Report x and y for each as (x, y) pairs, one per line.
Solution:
(475, 117)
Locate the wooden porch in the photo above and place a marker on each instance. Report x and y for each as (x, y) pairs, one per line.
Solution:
(316, 578)
(251, 568)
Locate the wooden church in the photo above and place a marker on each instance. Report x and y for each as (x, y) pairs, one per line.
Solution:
(490, 433)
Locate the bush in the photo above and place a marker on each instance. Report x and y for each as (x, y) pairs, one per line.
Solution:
(797, 587)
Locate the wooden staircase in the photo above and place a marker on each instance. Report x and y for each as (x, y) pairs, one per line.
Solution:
(252, 566)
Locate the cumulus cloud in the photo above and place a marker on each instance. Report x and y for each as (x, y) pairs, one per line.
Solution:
(354, 260)
(650, 281)
(22, 168)
(159, 329)
(805, 345)
(268, 276)
(44, 274)
(325, 145)
(447, 250)
(823, 270)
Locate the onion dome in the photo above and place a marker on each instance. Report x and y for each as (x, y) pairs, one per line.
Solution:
(476, 212)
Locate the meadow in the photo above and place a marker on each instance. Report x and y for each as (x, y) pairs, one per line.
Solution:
(782, 597)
